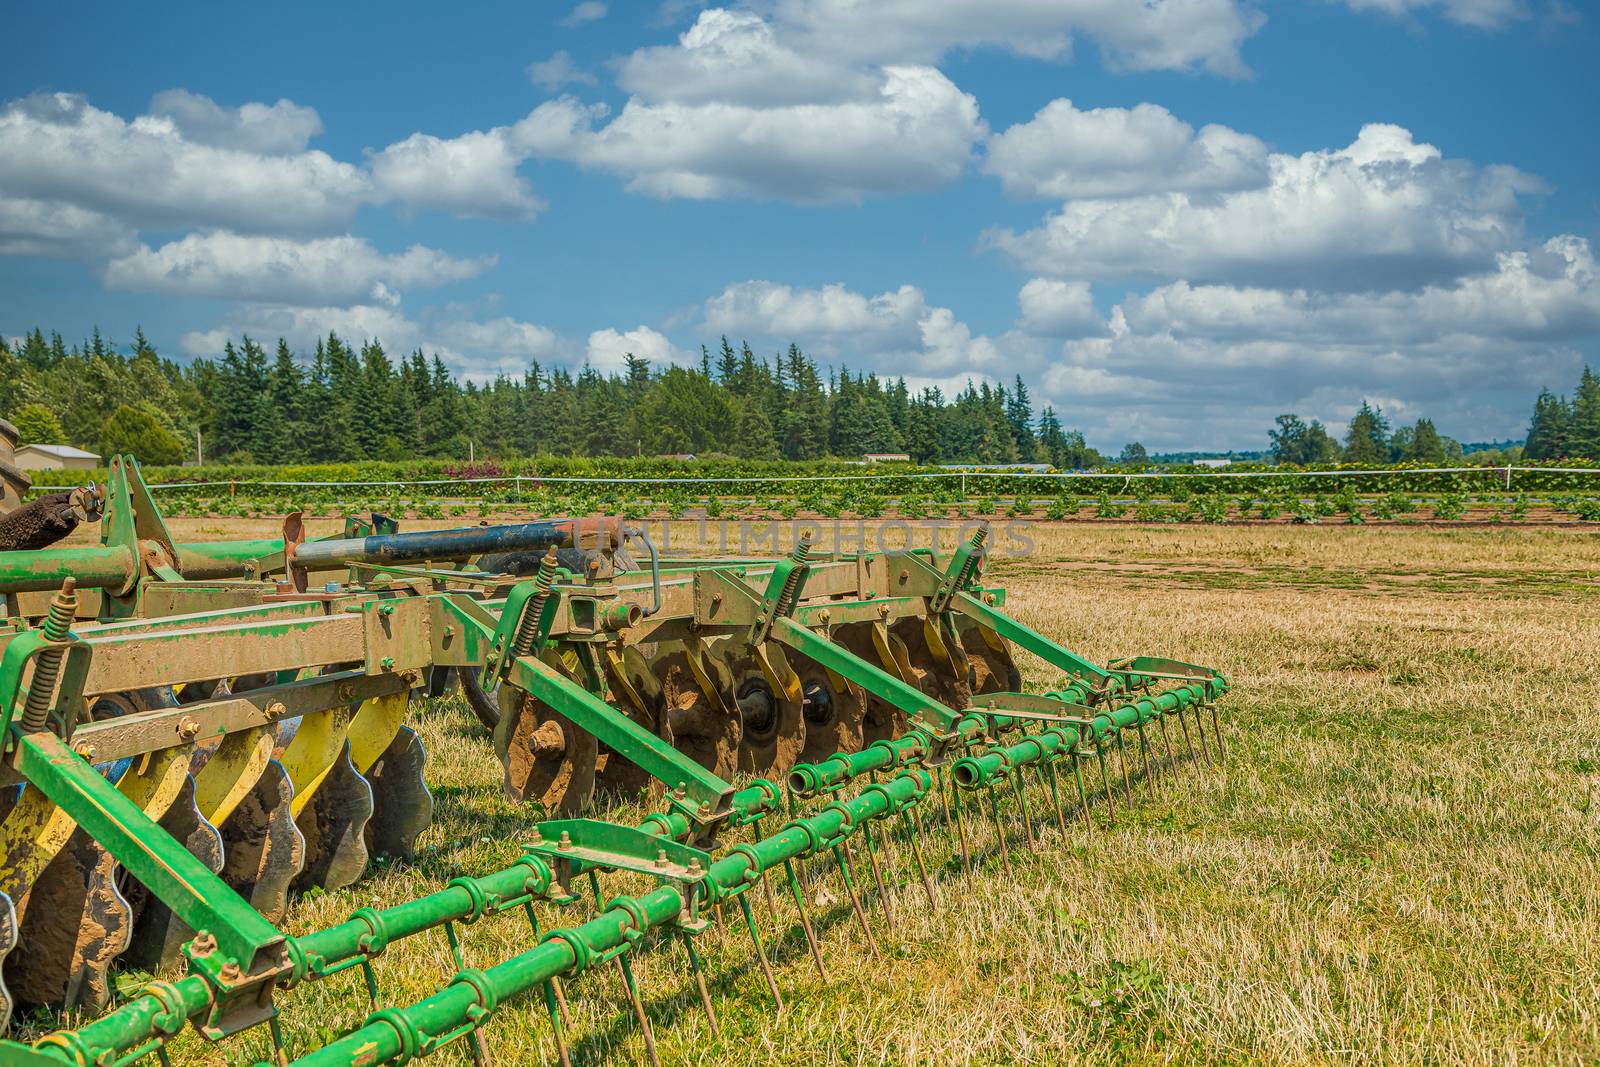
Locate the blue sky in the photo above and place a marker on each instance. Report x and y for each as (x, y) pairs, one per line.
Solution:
(1175, 218)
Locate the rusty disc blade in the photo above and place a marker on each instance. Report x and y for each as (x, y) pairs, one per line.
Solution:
(334, 824)
(263, 850)
(546, 758)
(402, 807)
(8, 941)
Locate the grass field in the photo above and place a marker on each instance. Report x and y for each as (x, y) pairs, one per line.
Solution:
(1397, 862)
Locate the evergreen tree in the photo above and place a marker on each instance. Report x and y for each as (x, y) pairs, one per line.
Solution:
(1367, 440)
(1426, 445)
(1583, 436)
(754, 437)
(1548, 433)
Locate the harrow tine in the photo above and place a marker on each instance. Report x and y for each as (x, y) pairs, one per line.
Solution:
(632, 989)
(1083, 796)
(1166, 740)
(855, 902)
(1000, 832)
(1127, 784)
(1216, 728)
(1020, 788)
(555, 1001)
(761, 952)
(700, 983)
(1200, 728)
(1055, 797)
(1105, 781)
(877, 876)
(805, 920)
(912, 831)
(961, 835)
(1144, 756)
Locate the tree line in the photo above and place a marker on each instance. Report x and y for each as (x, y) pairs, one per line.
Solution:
(346, 402)
(1566, 429)
(1368, 439)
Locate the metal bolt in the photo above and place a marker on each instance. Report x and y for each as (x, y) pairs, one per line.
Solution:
(385, 609)
(409, 677)
(277, 709)
(661, 857)
(188, 727)
(203, 945)
(565, 844)
(694, 865)
(387, 663)
(86, 750)
(883, 611)
(347, 691)
(824, 616)
(716, 598)
(230, 971)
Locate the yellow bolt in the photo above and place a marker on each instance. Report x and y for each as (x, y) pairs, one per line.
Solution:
(188, 727)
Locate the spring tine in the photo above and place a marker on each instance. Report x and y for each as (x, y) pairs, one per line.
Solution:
(455, 945)
(700, 983)
(855, 901)
(1083, 795)
(805, 920)
(999, 831)
(1216, 729)
(1127, 786)
(279, 1057)
(913, 834)
(944, 799)
(1055, 797)
(1144, 756)
(1105, 781)
(372, 982)
(1188, 744)
(766, 886)
(1200, 728)
(761, 952)
(961, 837)
(1166, 739)
(555, 1002)
(1020, 788)
(638, 1007)
(877, 876)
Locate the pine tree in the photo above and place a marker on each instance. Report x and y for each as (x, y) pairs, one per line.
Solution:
(1548, 432)
(1584, 432)
(1368, 438)
(754, 437)
(1426, 445)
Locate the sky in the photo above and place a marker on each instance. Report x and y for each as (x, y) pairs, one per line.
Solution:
(1175, 219)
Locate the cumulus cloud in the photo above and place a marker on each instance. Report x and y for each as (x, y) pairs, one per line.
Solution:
(57, 148)
(1153, 35)
(916, 132)
(557, 71)
(472, 175)
(1064, 153)
(896, 332)
(1209, 365)
(30, 227)
(1384, 212)
(1054, 308)
(340, 271)
(608, 348)
(284, 128)
(1482, 14)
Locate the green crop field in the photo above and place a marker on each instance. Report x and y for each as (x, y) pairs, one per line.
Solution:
(1396, 862)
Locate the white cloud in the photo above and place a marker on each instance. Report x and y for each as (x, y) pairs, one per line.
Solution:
(557, 71)
(472, 175)
(894, 333)
(1483, 14)
(504, 335)
(1209, 366)
(339, 271)
(1064, 153)
(607, 349)
(56, 147)
(1151, 35)
(587, 11)
(61, 231)
(917, 132)
(284, 128)
(737, 57)
(1054, 308)
(1384, 212)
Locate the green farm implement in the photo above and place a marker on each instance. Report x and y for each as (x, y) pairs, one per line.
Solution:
(194, 733)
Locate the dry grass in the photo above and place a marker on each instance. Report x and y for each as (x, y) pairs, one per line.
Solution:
(1397, 864)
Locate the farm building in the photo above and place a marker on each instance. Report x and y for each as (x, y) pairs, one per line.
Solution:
(55, 458)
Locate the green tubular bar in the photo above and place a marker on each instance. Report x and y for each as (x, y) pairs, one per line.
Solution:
(971, 772)
(397, 1035)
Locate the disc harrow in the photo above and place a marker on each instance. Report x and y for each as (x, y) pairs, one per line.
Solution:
(224, 725)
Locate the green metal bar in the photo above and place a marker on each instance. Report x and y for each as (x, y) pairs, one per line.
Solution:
(923, 709)
(650, 753)
(150, 854)
(1027, 638)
